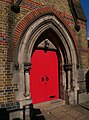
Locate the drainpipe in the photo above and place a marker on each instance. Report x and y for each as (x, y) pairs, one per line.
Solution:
(16, 6)
(71, 4)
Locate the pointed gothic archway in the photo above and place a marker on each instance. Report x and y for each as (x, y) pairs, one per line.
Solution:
(49, 27)
(51, 64)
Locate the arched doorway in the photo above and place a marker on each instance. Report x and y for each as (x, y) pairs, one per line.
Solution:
(51, 28)
(51, 39)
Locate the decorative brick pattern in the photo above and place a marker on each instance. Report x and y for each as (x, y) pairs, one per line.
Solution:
(8, 1)
(30, 4)
(10, 106)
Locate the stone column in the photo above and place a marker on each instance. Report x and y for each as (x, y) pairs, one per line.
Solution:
(27, 67)
(68, 68)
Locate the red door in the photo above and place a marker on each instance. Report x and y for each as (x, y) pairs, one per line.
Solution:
(44, 76)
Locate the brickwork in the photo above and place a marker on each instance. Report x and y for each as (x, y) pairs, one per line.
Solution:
(7, 87)
(12, 27)
(61, 5)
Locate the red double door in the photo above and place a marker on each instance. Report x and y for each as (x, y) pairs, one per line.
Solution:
(44, 85)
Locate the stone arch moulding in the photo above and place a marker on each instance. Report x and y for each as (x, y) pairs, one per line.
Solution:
(23, 25)
(26, 44)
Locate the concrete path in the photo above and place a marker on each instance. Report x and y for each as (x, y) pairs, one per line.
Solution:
(57, 110)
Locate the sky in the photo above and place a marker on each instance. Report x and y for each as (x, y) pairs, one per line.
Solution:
(85, 5)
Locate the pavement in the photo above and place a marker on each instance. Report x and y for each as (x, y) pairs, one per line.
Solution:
(85, 105)
(58, 110)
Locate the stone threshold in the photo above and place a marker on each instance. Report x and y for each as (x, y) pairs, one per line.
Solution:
(50, 104)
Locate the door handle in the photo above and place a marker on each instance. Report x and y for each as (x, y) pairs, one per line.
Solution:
(42, 79)
(47, 79)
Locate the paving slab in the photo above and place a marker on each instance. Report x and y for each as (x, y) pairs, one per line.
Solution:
(57, 110)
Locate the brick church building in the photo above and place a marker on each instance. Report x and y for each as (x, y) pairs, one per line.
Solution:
(44, 53)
